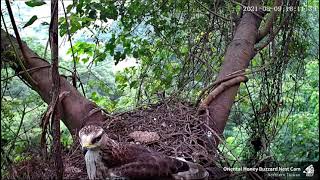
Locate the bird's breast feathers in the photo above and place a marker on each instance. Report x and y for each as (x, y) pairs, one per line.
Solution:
(92, 159)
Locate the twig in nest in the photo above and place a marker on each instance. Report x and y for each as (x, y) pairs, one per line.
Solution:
(93, 111)
(254, 175)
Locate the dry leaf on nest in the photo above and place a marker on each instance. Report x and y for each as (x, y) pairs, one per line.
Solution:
(144, 136)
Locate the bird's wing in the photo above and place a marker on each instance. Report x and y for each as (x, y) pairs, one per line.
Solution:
(121, 154)
(134, 161)
(145, 166)
(151, 165)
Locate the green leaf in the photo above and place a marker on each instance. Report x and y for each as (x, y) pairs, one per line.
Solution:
(45, 23)
(230, 140)
(127, 44)
(110, 46)
(31, 21)
(85, 21)
(85, 60)
(135, 54)
(184, 49)
(133, 84)
(69, 8)
(93, 94)
(75, 24)
(93, 14)
(34, 3)
(79, 8)
(101, 57)
(103, 16)
(62, 26)
(118, 57)
(121, 78)
(109, 13)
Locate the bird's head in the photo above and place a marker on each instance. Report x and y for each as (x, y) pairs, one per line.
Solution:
(91, 137)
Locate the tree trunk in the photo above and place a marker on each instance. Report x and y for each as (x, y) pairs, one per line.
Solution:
(75, 106)
(238, 55)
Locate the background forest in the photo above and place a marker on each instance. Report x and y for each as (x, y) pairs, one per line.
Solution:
(129, 54)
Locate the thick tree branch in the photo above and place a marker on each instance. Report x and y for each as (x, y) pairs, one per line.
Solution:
(219, 89)
(263, 44)
(15, 29)
(238, 55)
(75, 106)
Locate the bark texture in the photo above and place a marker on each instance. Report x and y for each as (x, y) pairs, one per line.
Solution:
(238, 55)
(75, 106)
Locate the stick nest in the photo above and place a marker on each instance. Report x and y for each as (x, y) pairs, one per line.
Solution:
(168, 127)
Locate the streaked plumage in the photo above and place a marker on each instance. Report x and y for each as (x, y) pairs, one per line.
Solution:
(108, 158)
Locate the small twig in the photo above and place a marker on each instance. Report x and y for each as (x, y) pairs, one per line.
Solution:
(214, 13)
(261, 160)
(253, 12)
(223, 142)
(19, 128)
(46, 49)
(15, 29)
(142, 76)
(27, 70)
(93, 111)
(5, 86)
(74, 74)
(55, 104)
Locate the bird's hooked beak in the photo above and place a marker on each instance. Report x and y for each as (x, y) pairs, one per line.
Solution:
(86, 147)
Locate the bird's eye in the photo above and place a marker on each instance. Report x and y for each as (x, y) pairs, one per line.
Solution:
(96, 139)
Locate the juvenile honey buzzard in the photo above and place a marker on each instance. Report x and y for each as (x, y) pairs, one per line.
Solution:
(107, 159)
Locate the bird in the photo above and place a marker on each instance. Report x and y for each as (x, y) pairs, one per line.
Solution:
(108, 159)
